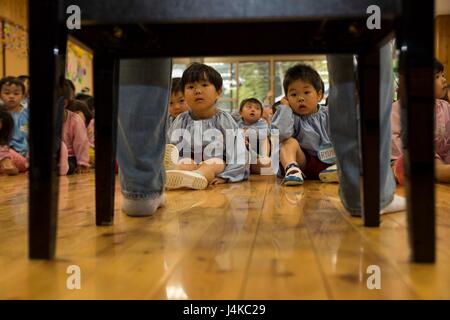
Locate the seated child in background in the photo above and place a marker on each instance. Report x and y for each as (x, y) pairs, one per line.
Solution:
(256, 131)
(441, 135)
(12, 93)
(177, 103)
(304, 128)
(11, 162)
(201, 130)
(82, 109)
(75, 139)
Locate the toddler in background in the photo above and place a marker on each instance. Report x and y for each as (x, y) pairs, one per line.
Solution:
(441, 135)
(12, 93)
(200, 136)
(256, 131)
(11, 162)
(306, 148)
(177, 102)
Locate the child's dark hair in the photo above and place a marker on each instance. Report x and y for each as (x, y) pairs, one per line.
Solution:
(250, 100)
(438, 66)
(200, 72)
(176, 86)
(12, 81)
(78, 105)
(305, 73)
(275, 106)
(23, 77)
(88, 99)
(65, 89)
(7, 126)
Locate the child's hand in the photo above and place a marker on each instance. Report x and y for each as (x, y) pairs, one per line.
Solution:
(217, 181)
(285, 101)
(82, 169)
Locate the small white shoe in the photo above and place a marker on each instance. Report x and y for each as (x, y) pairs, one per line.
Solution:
(171, 156)
(176, 179)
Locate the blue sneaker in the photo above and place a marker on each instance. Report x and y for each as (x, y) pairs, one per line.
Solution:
(329, 174)
(294, 176)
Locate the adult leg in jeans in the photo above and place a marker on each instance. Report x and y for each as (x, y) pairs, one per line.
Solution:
(345, 131)
(143, 98)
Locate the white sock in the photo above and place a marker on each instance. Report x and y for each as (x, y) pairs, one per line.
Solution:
(143, 207)
(397, 204)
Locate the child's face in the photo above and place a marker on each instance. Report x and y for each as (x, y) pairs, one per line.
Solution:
(251, 112)
(201, 95)
(177, 104)
(11, 95)
(303, 97)
(440, 85)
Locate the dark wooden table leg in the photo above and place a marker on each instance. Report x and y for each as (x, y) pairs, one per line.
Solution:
(369, 75)
(106, 76)
(417, 110)
(47, 42)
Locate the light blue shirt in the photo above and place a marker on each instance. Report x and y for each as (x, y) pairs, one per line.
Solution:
(19, 141)
(213, 134)
(311, 131)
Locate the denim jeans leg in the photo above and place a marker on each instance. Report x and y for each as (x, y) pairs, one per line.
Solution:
(143, 98)
(344, 127)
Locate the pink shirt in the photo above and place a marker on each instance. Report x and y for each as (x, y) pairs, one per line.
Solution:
(76, 139)
(441, 133)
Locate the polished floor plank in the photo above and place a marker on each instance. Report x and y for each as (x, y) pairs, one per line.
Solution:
(284, 265)
(216, 266)
(252, 240)
(345, 255)
(428, 281)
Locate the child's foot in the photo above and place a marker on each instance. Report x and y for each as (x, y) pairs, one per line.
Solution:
(7, 167)
(397, 204)
(294, 176)
(142, 207)
(329, 174)
(176, 179)
(171, 156)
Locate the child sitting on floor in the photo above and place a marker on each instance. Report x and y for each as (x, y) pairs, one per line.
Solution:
(306, 148)
(214, 157)
(82, 109)
(441, 135)
(11, 162)
(75, 139)
(12, 92)
(256, 131)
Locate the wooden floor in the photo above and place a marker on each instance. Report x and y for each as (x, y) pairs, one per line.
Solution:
(252, 240)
